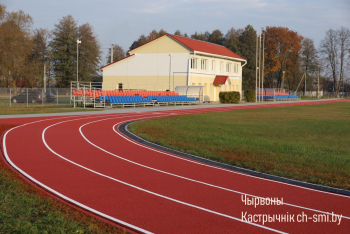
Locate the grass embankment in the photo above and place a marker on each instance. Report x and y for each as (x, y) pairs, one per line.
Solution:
(308, 143)
(6, 110)
(25, 209)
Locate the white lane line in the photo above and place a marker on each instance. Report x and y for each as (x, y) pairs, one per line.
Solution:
(56, 192)
(178, 176)
(147, 191)
(195, 162)
(207, 165)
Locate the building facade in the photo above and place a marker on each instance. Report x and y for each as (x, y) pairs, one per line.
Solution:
(170, 61)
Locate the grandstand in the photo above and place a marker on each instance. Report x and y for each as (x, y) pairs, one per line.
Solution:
(124, 98)
(269, 94)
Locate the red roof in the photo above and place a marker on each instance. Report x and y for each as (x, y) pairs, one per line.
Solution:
(206, 47)
(195, 45)
(117, 61)
(220, 80)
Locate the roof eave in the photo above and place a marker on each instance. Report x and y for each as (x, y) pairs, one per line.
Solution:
(101, 68)
(219, 56)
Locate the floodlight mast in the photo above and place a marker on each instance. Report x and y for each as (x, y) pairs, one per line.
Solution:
(170, 55)
(256, 67)
(78, 42)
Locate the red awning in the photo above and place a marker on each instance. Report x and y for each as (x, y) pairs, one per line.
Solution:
(221, 80)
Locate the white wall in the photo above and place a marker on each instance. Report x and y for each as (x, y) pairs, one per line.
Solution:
(216, 70)
(148, 65)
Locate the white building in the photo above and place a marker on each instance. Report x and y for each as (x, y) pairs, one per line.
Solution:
(171, 61)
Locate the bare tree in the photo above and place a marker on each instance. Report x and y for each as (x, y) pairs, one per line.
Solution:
(335, 46)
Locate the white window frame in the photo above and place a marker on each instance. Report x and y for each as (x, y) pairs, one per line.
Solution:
(204, 64)
(228, 67)
(194, 63)
(235, 68)
(213, 65)
(221, 66)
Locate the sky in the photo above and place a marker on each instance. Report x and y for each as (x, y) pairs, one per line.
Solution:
(123, 21)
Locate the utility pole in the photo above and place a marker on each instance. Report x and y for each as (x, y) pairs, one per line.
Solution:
(305, 84)
(282, 84)
(318, 84)
(78, 42)
(44, 78)
(112, 54)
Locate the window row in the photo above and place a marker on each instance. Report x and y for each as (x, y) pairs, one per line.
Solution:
(204, 65)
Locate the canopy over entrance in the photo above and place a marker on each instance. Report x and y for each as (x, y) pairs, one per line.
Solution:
(221, 80)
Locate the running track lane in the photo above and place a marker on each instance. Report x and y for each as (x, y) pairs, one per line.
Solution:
(86, 160)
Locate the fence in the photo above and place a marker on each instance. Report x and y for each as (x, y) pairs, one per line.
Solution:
(269, 94)
(119, 86)
(22, 97)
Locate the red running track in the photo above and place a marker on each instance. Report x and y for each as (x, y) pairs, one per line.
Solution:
(85, 161)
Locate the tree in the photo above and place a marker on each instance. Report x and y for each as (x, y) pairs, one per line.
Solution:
(178, 33)
(89, 53)
(245, 47)
(39, 55)
(63, 52)
(161, 32)
(153, 35)
(63, 49)
(216, 37)
(15, 47)
(143, 39)
(282, 47)
(200, 36)
(118, 53)
(309, 61)
(232, 41)
(334, 48)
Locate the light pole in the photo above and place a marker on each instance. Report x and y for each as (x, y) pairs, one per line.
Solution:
(78, 42)
(170, 69)
(282, 85)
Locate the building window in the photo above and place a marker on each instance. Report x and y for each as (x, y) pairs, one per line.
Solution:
(228, 67)
(120, 86)
(235, 68)
(203, 64)
(213, 65)
(221, 66)
(193, 63)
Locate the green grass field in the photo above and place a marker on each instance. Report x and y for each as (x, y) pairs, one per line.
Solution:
(308, 143)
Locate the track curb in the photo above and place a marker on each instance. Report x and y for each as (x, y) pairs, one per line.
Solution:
(123, 128)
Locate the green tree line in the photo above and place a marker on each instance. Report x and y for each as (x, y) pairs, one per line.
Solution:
(24, 53)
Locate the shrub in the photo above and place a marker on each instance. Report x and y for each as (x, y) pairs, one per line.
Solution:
(229, 97)
(249, 95)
